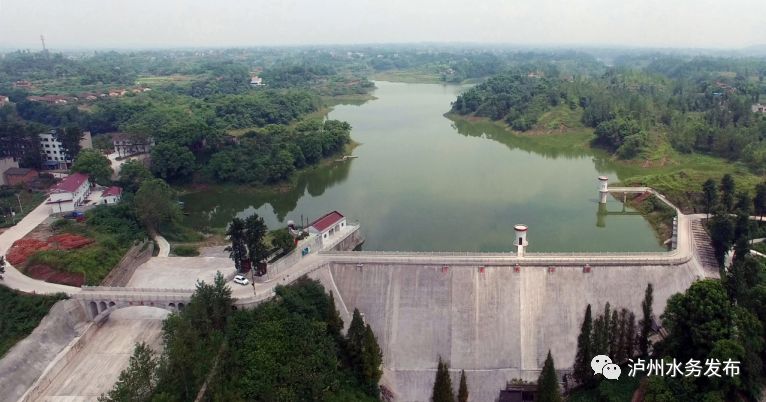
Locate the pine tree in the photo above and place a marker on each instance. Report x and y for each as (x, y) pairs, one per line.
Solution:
(710, 193)
(614, 335)
(727, 192)
(548, 384)
(442, 391)
(462, 393)
(372, 359)
(355, 339)
(620, 354)
(136, 383)
(582, 370)
(334, 322)
(759, 201)
(630, 337)
(646, 321)
(238, 249)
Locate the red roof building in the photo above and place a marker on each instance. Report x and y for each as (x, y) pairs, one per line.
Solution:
(111, 195)
(327, 225)
(70, 184)
(69, 194)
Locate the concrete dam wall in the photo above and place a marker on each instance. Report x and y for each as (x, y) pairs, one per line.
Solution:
(497, 324)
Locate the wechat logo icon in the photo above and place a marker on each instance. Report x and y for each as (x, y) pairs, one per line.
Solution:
(603, 365)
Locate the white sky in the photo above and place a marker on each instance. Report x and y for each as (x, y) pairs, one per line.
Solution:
(161, 23)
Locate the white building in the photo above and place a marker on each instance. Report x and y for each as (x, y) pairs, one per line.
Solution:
(53, 152)
(759, 108)
(4, 100)
(256, 81)
(111, 195)
(69, 194)
(328, 225)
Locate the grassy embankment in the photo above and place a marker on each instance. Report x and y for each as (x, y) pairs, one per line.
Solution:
(678, 176)
(29, 201)
(20, 314)
(113, 231)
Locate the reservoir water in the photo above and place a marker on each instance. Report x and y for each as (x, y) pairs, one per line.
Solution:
(422, 182)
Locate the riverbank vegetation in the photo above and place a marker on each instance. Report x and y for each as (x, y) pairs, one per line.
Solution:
(20, 314)
(290, 348)
(669, 122)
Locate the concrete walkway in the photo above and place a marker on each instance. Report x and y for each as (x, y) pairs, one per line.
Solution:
(15, 279)
(164, 246)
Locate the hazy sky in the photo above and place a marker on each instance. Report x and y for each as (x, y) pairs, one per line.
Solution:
(161, 23)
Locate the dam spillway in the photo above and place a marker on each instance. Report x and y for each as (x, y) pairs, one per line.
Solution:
(494, 322)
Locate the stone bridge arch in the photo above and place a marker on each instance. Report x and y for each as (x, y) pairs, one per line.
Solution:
(98, 301)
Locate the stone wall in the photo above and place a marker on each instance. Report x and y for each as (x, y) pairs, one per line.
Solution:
(120, 275)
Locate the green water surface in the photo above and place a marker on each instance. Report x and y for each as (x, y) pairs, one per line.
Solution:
(422, 182)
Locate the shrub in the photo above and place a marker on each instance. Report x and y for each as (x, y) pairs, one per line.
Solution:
(185, 251)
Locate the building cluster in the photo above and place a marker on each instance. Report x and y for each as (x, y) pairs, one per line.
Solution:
(75, 191)
(86, 96)
(758, 108)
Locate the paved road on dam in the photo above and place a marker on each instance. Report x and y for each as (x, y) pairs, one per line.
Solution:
(684, 252)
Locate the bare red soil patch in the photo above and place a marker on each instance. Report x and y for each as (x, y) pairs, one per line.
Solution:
(48, 274)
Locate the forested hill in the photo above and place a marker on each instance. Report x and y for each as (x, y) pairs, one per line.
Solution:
(695, 105)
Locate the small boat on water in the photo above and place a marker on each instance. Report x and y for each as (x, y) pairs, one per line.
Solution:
(346, 157)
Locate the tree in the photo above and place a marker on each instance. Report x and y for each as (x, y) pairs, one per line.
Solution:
(696, 320)
(646, 321)
(238, 249)
(442, 391)
(132, 173)
(171, 161)
(582, 370)
(548, 384)
(136, 383)
(727, 192)
(372, 359)
(94, 164)
(710, 195)
(70, 138)
(283, 240)
(759, 201)
(255, 232)
(355, 338)
(721, 235)
(462, 393)
(155, 204)
(334, 321)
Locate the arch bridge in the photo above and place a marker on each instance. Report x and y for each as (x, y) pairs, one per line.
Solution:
(100, 301)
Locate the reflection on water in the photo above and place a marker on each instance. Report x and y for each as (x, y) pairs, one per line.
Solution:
(424, 182)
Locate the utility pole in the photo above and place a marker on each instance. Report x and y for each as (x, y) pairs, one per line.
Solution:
(21, 209)
(42, 39)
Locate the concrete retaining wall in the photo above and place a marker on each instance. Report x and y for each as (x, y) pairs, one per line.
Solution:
(24, 364)
(497, 324)
(137, 255)
(37, 391)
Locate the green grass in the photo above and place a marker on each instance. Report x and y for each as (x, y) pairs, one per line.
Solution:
(20, 314)
(29, 201)
(183, 250)
(113, 230)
